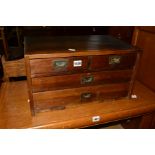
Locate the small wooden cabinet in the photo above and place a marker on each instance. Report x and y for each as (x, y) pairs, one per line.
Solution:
(71, 70)
(144, 38)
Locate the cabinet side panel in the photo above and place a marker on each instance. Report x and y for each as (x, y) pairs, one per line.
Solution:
(146, 41)
(134, 74)
(29, 83)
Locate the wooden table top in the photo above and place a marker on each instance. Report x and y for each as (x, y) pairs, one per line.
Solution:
(15, 110)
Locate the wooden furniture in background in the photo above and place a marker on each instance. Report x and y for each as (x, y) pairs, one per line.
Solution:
(144, 37)
(1, 71)
(15, 110)
(14, 68)
(141, 122)
(4, 42)
(11, 52)
(70, 70)
(1, 39)
(122, 32)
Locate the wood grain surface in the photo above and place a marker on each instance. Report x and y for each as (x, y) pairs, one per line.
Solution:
(46, 67)
(59, 46)
(144, 38)
(15, 109)
(127, 61)
(96, 53)
(80, 80)
(52, 99)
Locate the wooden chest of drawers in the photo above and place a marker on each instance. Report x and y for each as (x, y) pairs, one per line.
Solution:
(64, 71)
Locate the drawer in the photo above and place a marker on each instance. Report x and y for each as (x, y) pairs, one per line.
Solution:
(113, 62)
(57, 66)
(80, 80)
(59, 99)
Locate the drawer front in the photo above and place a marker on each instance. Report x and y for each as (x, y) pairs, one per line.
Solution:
(58, 66)
(113, 62)
(61, 98)
(80, 80)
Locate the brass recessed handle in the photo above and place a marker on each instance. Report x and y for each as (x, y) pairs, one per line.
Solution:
(86, 95)
(87, 79)
(114, 59)
(60, 63)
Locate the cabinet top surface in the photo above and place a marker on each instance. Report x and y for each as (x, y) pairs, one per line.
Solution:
(68, 44)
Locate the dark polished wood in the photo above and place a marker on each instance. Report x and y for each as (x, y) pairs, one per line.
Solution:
(12, 45)
(71, 57)
(141, 122)
(132, 123)
(58, 98)
(144, 38)
(3, 39)
(1, 70)
(153, 122)
(80, 80)
(62, 44)
(146, 121)
(122, 32)
(127, 61)
(46, 67)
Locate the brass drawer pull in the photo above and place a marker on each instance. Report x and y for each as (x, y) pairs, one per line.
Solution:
(60, 63)
(87, 80)
(86, 95)
(114, 59)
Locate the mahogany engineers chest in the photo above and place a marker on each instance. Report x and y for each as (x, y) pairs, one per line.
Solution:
(64, 71)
